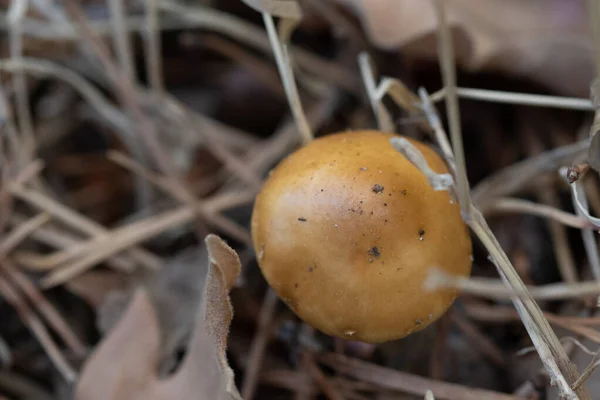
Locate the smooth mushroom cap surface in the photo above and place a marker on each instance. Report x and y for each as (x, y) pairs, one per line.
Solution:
(345, 229)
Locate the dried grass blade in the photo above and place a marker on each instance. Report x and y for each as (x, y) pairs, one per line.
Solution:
(38, 329)
(384, 120)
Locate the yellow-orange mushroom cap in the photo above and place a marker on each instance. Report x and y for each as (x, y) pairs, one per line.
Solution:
(345, 230)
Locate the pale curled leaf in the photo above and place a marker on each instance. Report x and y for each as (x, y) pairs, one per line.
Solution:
(436, 181)
(124, 365)
(277, 8)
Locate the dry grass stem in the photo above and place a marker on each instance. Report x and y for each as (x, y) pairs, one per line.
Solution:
(496, 289)
(153, 46)
(245, 32)
(282, 58)
(436, 181)
(79, 222)
(164, 184)
(121, 39)
(391, 379)
(446, 57)
(122, 238)
(384, 120)
(525, 99)
(580, 203)
(309, 364)
(38, 329)
(259, 345)
(514, 205)
(46, 309)
(16, 13)
(21, 232)
(58, 238)
(438, 131)
(515, 177)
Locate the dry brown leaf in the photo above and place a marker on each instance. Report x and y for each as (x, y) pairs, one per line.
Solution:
(545, 40)
(124, 365)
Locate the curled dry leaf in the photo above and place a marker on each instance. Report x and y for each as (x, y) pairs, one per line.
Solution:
(544, 40)
(124, 365)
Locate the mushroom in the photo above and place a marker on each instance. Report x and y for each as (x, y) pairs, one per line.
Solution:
(345, 230)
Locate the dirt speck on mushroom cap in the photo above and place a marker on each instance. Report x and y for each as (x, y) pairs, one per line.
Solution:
(379, 294)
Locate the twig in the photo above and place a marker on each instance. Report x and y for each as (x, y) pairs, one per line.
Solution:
(37, 328)
(258, 346)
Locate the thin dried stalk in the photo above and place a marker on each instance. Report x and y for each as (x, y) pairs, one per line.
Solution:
(392, 379)
(38, 329)
(517, 176)
(282, 58)
(245, 32)
(122, 238)
(259, 344)
(580, 204)
(164, 184)
(384, 120)
(446, 57)
(16, 13)
(46, 309)
(79, 222)
(5, 354)
(562, 372)
(525, 99)
(514, 205)
(121, 38)
(21, 233)
(496, 289)
(55, 237)
(319, 377)
(153, 46)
